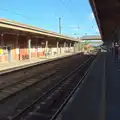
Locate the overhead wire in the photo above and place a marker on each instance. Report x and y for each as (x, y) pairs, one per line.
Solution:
(15, 13)
(65, 5)
(71, 11)
(26, 17)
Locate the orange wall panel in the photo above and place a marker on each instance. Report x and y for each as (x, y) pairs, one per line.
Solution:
(5, 58)
(0, 58)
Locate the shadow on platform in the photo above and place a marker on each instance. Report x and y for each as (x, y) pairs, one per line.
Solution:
(97, 98)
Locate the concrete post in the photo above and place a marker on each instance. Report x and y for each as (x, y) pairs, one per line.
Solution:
(78, 46)
(2, 45)
(57, 47)
(60, 48)
(118, 39)
(64, 47)
(70, 47)
(36, 47)
(29, 48)
(113, 47)
(113, 50)
(17, 41)
(119, 54)
(17, 47)
(74, 47)
(46, 47)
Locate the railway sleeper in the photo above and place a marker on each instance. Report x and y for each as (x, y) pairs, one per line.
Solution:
(47, 106)
(37, 116)
(9, 91)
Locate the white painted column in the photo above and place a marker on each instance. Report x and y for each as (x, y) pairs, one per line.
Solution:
(57, 47)
(70, 47)
(29, 48)
(78, 46)
(75, 47)
(36, 46)
(2, 45)
(17, 47)
(60, 49)
(46, 48)
(17, 41)
(64, 47)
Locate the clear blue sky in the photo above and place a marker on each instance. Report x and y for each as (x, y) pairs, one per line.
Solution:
(77, 17)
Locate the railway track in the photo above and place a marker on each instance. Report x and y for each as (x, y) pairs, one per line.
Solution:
(7, 79)
(12, 89)
(17, 101)
(45, 106)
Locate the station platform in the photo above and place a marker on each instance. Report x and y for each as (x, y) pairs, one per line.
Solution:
(97, 98)
(16, 65)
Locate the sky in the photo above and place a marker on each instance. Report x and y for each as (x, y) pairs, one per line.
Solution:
(77, 18)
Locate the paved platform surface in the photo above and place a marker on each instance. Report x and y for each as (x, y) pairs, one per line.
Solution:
(112, 90)
(16, 64)
(98, 97)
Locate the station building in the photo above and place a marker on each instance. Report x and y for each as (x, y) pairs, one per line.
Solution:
(20, 42)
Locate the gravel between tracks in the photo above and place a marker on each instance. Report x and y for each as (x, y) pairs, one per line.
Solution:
(16, 103)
